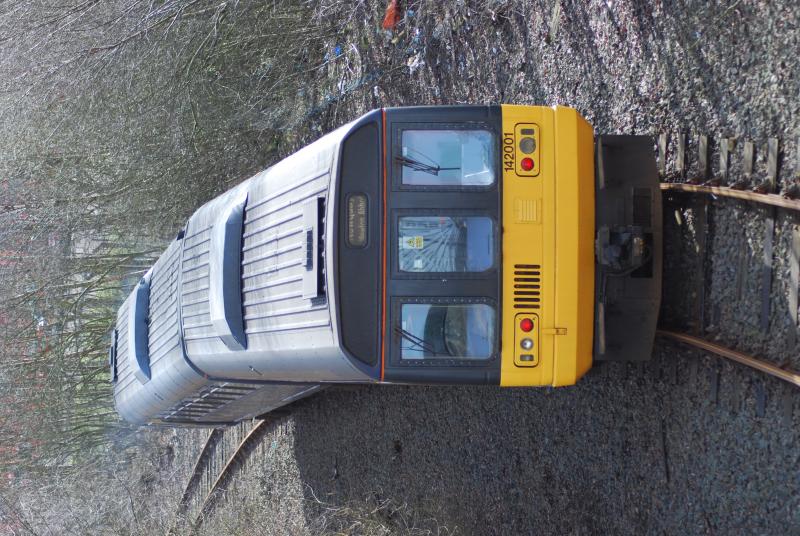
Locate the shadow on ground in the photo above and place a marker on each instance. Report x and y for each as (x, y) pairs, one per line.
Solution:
(634, 449)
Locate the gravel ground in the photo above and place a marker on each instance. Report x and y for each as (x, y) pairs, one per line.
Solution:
(685, 444)
(645, 449)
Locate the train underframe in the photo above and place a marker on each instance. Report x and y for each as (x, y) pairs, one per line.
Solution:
(628, 248)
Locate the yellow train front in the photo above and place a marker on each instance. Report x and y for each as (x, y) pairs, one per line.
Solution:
(499, 245)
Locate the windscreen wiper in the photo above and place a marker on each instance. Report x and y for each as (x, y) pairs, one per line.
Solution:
(417, 343)
(422, 166)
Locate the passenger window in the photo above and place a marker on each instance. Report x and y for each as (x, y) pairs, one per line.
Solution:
(446, 243)
(446, 331)
(447, 158)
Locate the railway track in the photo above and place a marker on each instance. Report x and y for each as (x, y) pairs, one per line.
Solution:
(759, 177)
(223, 454)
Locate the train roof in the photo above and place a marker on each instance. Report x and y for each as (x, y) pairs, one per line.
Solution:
(177, 333)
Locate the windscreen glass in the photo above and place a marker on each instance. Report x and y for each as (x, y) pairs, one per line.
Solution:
(447, 158)
(446, 243)
(446, 331)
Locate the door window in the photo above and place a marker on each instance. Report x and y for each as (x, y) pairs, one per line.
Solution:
(446, 243)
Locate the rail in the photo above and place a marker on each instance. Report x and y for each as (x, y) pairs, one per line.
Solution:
(745, 182)
(742, 195)
(187, 512)
(233, 463)
(739, 357)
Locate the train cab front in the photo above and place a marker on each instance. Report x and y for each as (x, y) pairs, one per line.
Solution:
(453, 263)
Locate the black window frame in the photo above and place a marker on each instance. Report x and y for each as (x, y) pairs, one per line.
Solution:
(442, 287)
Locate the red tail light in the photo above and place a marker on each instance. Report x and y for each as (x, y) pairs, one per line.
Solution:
(526, 164)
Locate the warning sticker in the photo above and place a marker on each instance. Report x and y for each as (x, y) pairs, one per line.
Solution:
(412, 242)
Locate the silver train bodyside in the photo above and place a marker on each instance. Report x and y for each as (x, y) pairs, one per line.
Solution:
(238, 316)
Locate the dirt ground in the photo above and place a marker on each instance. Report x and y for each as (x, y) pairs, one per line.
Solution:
(685, 444)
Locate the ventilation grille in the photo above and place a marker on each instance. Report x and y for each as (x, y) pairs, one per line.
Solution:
(527, 286)
(210, 399)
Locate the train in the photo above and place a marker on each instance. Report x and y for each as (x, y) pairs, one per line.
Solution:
(475, 244)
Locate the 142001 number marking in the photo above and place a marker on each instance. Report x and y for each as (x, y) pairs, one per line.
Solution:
(508, 151)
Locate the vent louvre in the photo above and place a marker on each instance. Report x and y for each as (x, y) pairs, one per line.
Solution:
(527, 286)
(208, 400)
